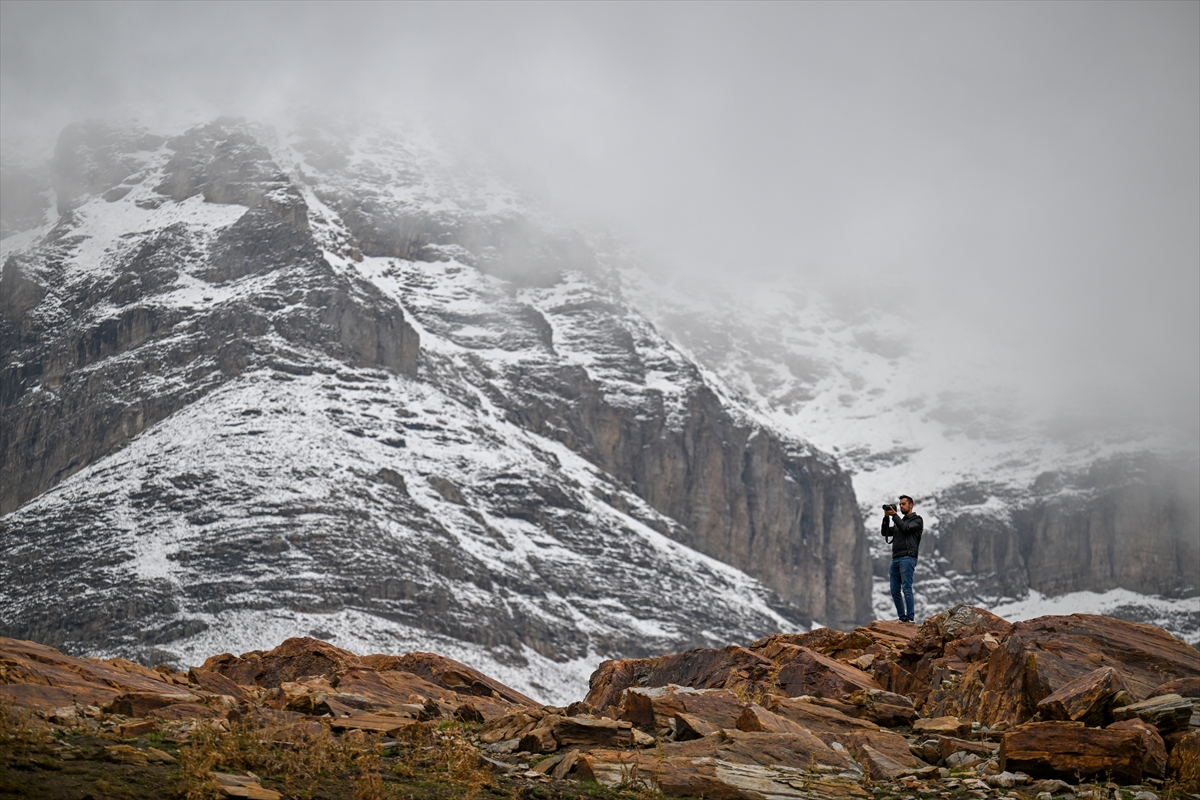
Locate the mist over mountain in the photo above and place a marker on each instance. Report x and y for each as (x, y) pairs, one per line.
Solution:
(524, 332)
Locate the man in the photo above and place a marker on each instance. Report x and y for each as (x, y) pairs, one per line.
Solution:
(904, 535)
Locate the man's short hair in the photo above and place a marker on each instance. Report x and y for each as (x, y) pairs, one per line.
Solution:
(909, 499)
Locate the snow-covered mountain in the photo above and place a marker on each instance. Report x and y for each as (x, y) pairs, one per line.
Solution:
(1026, 513)
(329, 379)
(260, 382)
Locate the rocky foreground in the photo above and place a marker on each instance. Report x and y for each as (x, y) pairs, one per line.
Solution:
(965, 705)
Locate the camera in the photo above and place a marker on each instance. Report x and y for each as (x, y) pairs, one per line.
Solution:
(889, 507)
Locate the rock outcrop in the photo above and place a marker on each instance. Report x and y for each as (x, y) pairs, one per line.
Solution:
(746, 739)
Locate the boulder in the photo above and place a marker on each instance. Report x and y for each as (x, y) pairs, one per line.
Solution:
(655, 707)
(589, 731)
(688, 727)
(216, 683)
(823, 721)
(1087, 699)
(449, 674)
(949, 745)
(294, 658)
(613, 677)
(510, 726)
(756, 718)
(810, 673)
(140, 704)
(1154, 763)
(883, 754)
(881, 707)
(539, 740)
(716, 779)
(879, 766)
(39, 677)
(1069, 751)
(942, 726)
(1183, 766)
(1166, 712)
(1044, 654)
(1184, 687)
(797, 751)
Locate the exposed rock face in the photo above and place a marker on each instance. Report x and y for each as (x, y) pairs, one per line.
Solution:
(1064, 749)
(119, 349)
(1125, 522)
(1043, 655)
(216, 404)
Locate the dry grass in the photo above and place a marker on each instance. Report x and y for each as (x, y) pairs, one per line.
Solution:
(442, 760)
(295, 758)
(442, 755)
(18, 731)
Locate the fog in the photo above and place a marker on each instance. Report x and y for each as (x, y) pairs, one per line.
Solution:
(1021, 179)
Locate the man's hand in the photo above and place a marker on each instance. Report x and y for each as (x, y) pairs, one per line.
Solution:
(891, 512)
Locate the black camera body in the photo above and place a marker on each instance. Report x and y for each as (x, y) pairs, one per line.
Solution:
(889, 507)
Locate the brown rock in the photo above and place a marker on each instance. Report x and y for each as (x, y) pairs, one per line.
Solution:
(242, 786)
(1184, 764)
(949, 745)
(1166, 712)
(140, 704)
(777, 643)
(1069, 751)
(539, 740)
(688, 727)
(183, 711)
(294, 658)
(1154, 763)
(892, 632)
(810, 673)
(591, 732)
(1184, 687)
(713, 669)
(389, 726)
(450, 674)
(509, 726)
(654, 707)
(677, 776)
(881, 707)
(613, 677)
(959, 622)
(700, 669)
(546, 764)
(36, 676)
(827, 723)
(879, 766)
(138, 727)
(788, 749)
(756, 718)
(942, 726)
(891, 745)
(1043, 654)
(1087, 699)
(565, 765)
(216, 683)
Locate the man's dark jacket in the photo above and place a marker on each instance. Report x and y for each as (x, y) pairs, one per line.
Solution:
(907, 533)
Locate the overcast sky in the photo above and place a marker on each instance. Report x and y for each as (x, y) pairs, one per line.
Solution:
(1026, 176)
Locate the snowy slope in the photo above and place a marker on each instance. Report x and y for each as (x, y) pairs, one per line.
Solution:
(262, 461)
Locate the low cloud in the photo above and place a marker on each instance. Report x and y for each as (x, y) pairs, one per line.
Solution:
(1023, 179)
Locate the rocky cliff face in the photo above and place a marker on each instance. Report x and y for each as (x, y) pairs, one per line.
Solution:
(1123, 522)
(1017, 512)
(319, 380)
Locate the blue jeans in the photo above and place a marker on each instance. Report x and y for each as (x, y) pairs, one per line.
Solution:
(902, 577)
